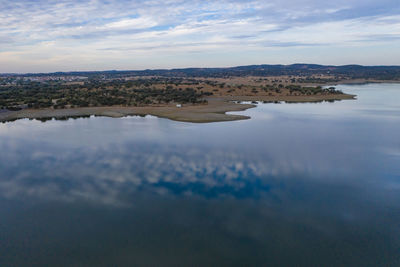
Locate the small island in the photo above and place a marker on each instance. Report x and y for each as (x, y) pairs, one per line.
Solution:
(190, 95)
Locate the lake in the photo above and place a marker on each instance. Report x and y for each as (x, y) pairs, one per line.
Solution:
(314, 184)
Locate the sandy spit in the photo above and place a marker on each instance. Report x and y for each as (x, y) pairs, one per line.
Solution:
(214, 111)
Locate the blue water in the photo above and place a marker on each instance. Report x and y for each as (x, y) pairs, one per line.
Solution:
(315, 184)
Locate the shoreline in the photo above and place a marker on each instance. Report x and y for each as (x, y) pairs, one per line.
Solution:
(360, 82)
(214, 111)
(292, 99)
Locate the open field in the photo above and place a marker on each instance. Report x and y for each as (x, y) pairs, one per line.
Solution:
(214, 111)
(181, 99)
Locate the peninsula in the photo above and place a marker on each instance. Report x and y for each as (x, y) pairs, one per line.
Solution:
(192, 95)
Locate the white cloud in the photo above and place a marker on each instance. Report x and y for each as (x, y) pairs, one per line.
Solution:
(66, 35)
(137, 23)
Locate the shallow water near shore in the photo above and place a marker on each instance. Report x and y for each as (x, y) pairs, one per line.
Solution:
(310, 184)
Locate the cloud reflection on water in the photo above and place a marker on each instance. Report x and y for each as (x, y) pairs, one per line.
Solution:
(109, 161)
(103, 175)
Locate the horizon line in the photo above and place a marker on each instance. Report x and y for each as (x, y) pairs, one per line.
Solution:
(187, 68)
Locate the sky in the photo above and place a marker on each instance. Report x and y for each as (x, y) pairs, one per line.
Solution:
(48, 36)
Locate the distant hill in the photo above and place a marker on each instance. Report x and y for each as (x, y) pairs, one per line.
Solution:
(349, 71)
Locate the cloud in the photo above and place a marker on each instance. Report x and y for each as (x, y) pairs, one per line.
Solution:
(87, 27)
(110, 175)
(138, 23)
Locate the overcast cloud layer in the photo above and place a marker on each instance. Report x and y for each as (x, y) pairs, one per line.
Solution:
(38, 36)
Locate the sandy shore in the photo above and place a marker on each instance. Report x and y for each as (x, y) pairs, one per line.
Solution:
(296, 99)
(214, 111)
(361, 81)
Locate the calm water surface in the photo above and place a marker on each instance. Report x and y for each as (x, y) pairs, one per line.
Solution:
(297, 185)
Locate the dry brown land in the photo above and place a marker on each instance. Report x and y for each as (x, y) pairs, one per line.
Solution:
(214, 111)
(225, 91)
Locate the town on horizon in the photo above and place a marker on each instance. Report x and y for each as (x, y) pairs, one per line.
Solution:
(247, 68)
